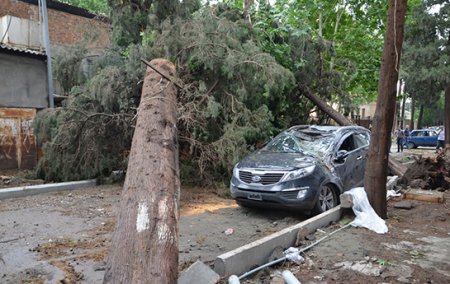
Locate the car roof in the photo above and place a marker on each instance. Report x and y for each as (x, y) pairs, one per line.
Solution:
(425, 129)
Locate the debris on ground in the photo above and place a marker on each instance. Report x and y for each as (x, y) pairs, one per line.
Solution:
(228, 231)
(425, 195)
(404, 205)
(431, 172)
(198, 273)
(365, 215)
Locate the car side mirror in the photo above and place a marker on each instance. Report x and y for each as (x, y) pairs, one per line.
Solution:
(341, 155)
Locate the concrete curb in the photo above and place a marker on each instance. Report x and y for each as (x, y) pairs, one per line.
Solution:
(257, 253)
(22, 191)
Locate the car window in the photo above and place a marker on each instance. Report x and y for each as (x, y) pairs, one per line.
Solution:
(355, 141)
(348, 144)
(361, 139)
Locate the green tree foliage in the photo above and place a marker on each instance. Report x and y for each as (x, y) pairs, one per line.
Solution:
(231, 82)
(333, 47)
(424, 62)
(243, 73)
(131, 18)
(91, 134)
(67, 67)
(94, 6)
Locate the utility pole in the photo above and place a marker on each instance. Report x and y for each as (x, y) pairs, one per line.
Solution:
(48, 52)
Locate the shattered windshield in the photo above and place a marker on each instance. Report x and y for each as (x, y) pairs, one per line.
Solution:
(300, 142)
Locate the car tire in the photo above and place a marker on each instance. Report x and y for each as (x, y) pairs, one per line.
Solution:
(411, 145)
(326, 200)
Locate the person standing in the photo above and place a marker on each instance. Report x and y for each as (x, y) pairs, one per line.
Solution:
(441, 139)
(406, 134)
(400, 137)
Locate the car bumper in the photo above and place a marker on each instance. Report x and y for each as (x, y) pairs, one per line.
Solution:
(281, 196)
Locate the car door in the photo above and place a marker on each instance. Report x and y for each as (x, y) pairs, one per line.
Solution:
(361, 140)
(431, 138)
(350, 168)
(419, 137)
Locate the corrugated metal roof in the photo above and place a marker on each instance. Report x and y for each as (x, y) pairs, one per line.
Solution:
(21, 50)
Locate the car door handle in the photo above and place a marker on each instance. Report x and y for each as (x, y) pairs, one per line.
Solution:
(359, 158)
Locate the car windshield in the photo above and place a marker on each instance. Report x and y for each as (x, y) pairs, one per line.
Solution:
(300, 143)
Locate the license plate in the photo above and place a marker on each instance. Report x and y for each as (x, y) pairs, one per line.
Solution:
(254, 196)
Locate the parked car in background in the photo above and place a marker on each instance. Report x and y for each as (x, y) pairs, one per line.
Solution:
(304, 168)
(421, 137)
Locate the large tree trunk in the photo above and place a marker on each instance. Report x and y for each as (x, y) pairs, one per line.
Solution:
(447, 99)
(377, 163)
(413, 113)
(419, 119)
(447, 115)
(397, 106)
(402, 123)
(144, 246)
(322, 105)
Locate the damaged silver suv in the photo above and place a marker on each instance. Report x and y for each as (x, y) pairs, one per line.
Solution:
(304, 168)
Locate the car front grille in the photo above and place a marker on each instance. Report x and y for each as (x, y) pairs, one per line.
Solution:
(264, 179)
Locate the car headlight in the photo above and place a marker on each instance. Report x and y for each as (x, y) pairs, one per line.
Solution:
(236, 170)
(299, 173)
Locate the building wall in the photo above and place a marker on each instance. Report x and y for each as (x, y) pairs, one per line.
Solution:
(64, 28)
(23, 81)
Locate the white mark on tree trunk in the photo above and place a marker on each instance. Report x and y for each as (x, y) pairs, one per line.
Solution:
(162, 208)
(164, 233)
(142, 220)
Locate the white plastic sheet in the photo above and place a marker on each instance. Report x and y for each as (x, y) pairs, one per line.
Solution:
(293, 254)
(365, 215)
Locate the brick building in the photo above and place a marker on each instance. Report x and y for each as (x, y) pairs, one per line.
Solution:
(23, 70)
(67, 25)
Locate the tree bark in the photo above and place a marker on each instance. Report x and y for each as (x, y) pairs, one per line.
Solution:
(144, 246)
(447, 115)
(413, 110)
(402, 123)
(322, 105)
(397, 106)
(420, 118)
(447, 99)
(377, 163)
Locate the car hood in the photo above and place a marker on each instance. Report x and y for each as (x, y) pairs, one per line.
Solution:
(277, 161)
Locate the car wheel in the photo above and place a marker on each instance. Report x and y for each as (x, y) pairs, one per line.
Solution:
(327, 199)
(411, 145)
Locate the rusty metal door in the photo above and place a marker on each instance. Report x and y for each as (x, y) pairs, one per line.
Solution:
(17, 140)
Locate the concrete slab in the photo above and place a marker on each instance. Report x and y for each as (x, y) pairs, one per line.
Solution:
(198, 273)
(346, 200)
(257, 253)
(425, 195)
(21, 191)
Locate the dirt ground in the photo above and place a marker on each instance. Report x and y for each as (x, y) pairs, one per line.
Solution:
(64, 238)
(49, 237)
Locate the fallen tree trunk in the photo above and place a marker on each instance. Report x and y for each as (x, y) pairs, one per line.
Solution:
(144, 246)
(337, 116)
(396, 168)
